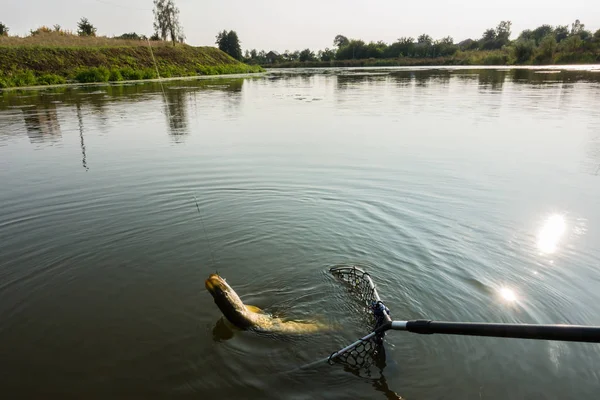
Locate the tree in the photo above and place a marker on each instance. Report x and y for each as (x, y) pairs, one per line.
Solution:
(327, 54)
(571, 44)
(561, 32)
(526, 35)
(503, 34)
(57, 28)
(307, 55)
(3, 29)
(132, 36)
(523, 49)
(546, 50)
(425, 39)
(541, 32)
(166, 21)
(355, 49)
(85, 28)
(577, 27)
(468, 44)
(229, 43)
(403, 47)
(424, 46)
(488, 40)
(340, 41)
(445, 47)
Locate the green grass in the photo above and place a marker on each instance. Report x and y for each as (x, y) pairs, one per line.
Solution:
(47, 65)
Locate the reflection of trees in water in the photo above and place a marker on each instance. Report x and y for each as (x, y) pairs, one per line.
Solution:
(491, 79)
(176, 112)
(179, 97)
(348, 81)
(233, 92)
(544, 77)
(39, 108)
(42, 124)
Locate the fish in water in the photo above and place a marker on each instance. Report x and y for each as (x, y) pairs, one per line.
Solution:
(245, 316)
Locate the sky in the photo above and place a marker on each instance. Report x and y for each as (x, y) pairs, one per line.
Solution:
(294, 25)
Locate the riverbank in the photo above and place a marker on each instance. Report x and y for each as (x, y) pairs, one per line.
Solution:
(471, 58)
(163, 80)
(34, 63)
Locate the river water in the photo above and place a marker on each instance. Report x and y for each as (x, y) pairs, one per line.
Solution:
(468, 194)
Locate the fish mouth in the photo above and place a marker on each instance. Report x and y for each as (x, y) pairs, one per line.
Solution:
(215, 284)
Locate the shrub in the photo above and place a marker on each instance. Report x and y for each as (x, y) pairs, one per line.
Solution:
(51, 79)
(94, 74)
(23, 78)
(130, 74)
(115, 75)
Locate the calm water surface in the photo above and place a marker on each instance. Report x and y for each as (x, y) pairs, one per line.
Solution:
(469, 195)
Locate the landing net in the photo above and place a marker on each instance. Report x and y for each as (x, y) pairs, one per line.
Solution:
(363, 353)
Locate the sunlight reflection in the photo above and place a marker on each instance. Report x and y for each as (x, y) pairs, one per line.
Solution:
(550, 234)
(508, 294)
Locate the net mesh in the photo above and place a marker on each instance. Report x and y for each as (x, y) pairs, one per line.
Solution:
(367, 352)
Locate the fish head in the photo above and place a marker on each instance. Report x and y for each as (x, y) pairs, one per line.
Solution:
(228, 301)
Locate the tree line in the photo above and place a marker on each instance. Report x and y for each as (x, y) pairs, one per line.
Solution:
(539, 45)
(166, 26)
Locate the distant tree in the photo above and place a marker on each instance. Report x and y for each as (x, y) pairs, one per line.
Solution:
(166, 21)
(445, 47)
(155, 37)
(85, 28)
(340, 41)
(503, 33)
(41, 30)
(307, 55)
(57, 28)
(468, 44)
(327, 54)
(488, 40)
(541, 32)
(234, 46)
(425, 39)
(424, 46)
(546, 49)
(403, 47)
(253, 54)
(577, 27)
(376, 49)
(526, 35)
(229, 43)
(355, 49)
(571, 44)
(561, 32)
(3, 29)
(523, 50)
(132, 36)
(597, 35)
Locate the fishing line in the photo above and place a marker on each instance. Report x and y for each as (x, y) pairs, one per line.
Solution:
(159, 79)
(212, 255)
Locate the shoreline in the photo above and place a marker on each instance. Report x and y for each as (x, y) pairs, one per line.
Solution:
(180, 78)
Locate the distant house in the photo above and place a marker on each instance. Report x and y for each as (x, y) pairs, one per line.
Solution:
(273, 57)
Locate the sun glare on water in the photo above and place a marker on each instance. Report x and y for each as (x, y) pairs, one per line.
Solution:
(550, 234)
(508, 294)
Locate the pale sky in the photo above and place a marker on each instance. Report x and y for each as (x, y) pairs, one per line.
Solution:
(295, 25)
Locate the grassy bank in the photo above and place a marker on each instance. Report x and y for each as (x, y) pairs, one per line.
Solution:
(55, 59)
(473, 57)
